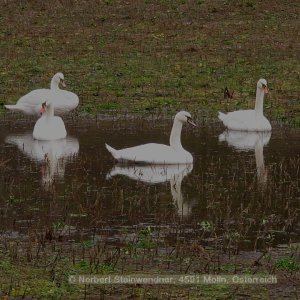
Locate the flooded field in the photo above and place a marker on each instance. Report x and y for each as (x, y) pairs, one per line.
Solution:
(238, 200)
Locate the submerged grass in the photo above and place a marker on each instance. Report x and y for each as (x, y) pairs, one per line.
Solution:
(86, 225)
(43, 273)
(151, 55)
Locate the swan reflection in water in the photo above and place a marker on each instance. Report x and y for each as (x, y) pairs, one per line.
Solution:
(52, 154)
(154, 174)
(247, 141)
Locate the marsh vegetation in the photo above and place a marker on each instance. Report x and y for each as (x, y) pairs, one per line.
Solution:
(133, 63)
(82, 214)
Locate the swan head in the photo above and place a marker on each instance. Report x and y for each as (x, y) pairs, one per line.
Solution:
(185, 117)
(59, 79)
(263, 85)
(45, 106)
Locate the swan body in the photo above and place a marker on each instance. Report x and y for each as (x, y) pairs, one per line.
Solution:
(152, 154)
(249, 120)
(64, 101)
(158, 153)
(49, 127)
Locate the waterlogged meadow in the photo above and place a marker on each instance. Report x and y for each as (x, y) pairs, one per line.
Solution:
(67, 208)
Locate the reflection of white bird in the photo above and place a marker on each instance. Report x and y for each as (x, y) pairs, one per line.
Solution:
(49, 127)
(158, 174)
(262, 172)
(64, 101)
(241, 140)
(159, 153)
(53, 154)
(245, 141)
(249, 120)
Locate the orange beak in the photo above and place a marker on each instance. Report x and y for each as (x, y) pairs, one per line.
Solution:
(266, 90)
(43, 108)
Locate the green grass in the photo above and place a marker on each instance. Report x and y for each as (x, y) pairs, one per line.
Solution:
(146, 55)
(176, 55)
(287, 264)
(23, 279)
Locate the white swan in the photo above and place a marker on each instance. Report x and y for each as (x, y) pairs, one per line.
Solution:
(49, 127)
(245, 141)
(159, 174)
(64, 101)
(159, 153)
(52, 154)
(249, 120)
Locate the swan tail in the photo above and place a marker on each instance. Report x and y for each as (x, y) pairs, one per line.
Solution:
(221, 116)
(113, 151)
(13, 107)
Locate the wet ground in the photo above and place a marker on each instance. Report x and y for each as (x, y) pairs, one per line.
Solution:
(234, 175)
(241, 195)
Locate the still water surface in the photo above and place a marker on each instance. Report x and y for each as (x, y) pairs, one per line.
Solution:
(238, 182)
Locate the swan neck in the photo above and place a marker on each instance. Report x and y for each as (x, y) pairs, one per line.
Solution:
(54, 85)
(50, 111)
(259, 102)
(175, 137)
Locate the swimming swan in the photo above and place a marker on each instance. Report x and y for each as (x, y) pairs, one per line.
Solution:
(49, 127)
(63, 101)
(249, 120)
(159, 153)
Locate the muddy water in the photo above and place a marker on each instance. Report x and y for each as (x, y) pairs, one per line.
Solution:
(243, 185)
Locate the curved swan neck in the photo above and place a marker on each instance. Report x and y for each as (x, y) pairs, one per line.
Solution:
(259, 102)
(175, 137)
(54, 85)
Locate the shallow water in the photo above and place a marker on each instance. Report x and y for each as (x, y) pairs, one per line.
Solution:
(239, 183)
